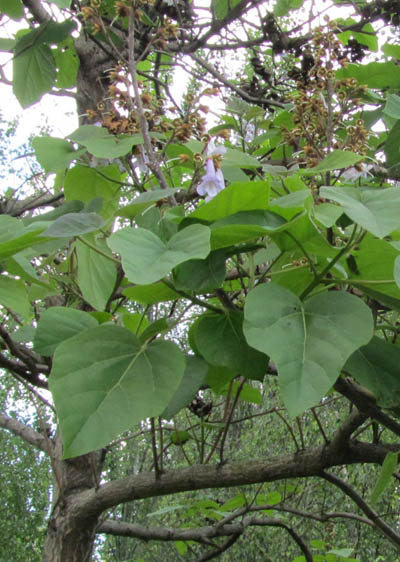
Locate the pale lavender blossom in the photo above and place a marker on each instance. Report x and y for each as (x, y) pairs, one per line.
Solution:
(213, 180)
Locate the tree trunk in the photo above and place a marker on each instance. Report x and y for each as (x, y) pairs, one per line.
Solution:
(69, 537)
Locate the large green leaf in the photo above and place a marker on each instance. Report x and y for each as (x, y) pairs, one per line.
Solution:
(336, 160)
(34, 73)
(376, 366)
(104, 381)
(53, 154)
(374, 269)
(74, 224)
(243, 226)
(146, 258)
(96, 275)
(240, 196)
(375, 74)
(376, 210)
(219, 339)
(309, 342)
(144, 201)
(151, 294)
(58, 324)
(67, 62)
(102, 144)
(15, 237)
(194, 377)
(85, 184)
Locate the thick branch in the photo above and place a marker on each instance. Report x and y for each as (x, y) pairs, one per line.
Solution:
(26, 433)
(309, 462)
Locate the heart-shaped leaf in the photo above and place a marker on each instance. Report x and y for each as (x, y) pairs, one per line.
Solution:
(376, 210)
(146, 258)
(309, 342)
(104, 381)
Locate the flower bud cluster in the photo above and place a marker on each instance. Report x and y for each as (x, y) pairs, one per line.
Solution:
(324, 106)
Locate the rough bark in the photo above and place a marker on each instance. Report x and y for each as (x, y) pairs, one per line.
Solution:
(70, 538)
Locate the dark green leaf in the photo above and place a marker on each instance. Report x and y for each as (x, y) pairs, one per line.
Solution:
(53, 154)
(104, 381)
(194, 377)
(201, 275)
(96, 275)
(220, 340)
(34, 74)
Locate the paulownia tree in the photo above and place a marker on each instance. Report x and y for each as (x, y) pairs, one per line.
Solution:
(240, 243)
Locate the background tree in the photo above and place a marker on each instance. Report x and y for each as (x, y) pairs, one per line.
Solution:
(212, 304)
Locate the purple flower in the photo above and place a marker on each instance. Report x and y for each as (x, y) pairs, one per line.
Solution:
(212, 182)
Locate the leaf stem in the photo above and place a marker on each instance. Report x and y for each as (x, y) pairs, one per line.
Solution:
(96, 249)
(323, 273)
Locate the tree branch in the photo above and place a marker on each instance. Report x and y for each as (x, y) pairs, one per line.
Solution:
(200, 534)
(36, 9)
(25, 432)
(309, 462)
(362, 504)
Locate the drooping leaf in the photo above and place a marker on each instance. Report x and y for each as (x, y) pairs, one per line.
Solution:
(103, 382)
(146, 258)
(34, 73)
(385, 476)
(96, 275)
(58, 324)
(193, 378)
(309, 342)
(220, 340)
(376, 210)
